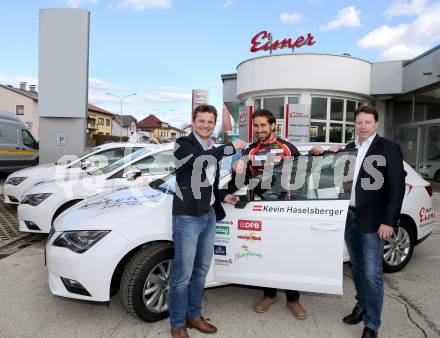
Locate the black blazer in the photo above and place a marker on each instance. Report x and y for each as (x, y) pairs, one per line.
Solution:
(186, 152)
(382, 206)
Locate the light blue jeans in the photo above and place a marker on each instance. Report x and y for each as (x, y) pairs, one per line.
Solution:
(366, 253)
(193, 249)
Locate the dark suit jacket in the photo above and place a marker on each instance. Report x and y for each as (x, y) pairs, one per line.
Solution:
(187, 150)
(382, 206)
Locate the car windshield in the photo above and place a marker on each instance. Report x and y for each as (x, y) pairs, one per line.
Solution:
(124, 160)
(167, 184)
(84, 154)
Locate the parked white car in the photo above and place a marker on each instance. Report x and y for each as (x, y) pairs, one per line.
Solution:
(20, 181)
(123, 240)
(431, 168)
(44, 202)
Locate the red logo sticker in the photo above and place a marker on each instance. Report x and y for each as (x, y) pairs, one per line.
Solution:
(257, 207)
(249, 225)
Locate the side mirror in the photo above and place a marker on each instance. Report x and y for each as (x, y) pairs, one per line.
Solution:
(86, 164)
(132, 174)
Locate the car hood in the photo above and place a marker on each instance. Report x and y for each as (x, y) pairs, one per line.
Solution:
(109, 211)
(42, 169)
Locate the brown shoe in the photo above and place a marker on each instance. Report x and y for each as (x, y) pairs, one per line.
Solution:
(201, 324)
(297, 310)
(179, 332)
(264, 304)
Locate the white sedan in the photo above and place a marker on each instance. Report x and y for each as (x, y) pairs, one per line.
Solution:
(20, 181)
(44, 202)
(123, 240)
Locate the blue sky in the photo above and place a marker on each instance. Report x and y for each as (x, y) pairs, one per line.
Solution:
(162, 49)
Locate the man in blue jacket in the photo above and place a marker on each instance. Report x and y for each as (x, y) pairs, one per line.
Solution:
(196, 207)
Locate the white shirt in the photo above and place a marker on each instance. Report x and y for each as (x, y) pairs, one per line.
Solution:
(211, 169)
(362, 151)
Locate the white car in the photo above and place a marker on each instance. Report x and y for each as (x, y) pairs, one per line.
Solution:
(44, 202)
(123, 240)
(431, 168)
(20, 181)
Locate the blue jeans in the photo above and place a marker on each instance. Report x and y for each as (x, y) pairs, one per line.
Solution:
(193, 249)
(366, 253)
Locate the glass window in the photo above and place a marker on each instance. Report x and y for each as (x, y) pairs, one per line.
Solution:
(303, 178)
(351, 108)
(8, 134)
(101, 121)
(257, 104)
(157, 164)
(336, 109)
(349, 133)
(407, 139)
(293, 99)
(427, 105)
(28, 139)
(319, 108)
(335, 132)
(317, 131)
(19, 109)
(275, 105)
(107, 122)
(402, 110)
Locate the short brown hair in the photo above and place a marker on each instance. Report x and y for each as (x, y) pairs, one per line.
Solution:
(266, 113)
(367, 110)
(204, 108)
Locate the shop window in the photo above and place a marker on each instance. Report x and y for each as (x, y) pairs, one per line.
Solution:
(402, 110)
(293, 100)
(317, 131)
(351, 108)
(336, 109)
(336, 132)
(427, 105)
(275, 105)
(257, 104)
(319, 108)
(349, 133)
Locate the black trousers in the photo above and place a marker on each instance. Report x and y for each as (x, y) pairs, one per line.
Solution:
(291, 295)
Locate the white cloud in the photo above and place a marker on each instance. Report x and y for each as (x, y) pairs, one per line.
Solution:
(15, 80)
(405, 41)
(165, 94)
(346, 17)
(99, 84)
(398, 8)
(227, 3)
(291, 18)
(77, 3)
(141, 5)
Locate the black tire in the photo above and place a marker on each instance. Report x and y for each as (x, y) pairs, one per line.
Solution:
(144, 264)
(404, 230)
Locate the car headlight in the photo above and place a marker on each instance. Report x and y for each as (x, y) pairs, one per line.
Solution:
(79, 241)
(15, 180)
(34, 199)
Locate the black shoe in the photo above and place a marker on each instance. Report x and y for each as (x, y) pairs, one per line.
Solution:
(369, 333)
(355, 317)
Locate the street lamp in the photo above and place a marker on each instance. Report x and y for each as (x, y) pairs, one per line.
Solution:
(162, 113)
(121, 98)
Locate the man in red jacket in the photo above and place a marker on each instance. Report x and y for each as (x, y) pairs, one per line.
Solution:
(269, 147)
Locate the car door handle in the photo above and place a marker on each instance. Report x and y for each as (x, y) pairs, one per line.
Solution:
(326, 227)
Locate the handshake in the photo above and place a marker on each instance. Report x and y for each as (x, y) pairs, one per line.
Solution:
(239, 144)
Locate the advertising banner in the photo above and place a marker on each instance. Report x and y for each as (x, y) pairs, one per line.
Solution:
(298, 123)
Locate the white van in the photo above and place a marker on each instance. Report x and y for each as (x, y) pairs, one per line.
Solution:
(18, 148)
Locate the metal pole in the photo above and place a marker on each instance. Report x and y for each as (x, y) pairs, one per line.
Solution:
(120, 120)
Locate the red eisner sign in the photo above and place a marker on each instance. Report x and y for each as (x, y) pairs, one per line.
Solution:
(249, 225)
(263, 41)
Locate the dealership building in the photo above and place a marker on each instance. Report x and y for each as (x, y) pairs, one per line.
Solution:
(314, 96)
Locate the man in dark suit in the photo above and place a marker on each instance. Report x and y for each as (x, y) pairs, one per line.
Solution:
(196, 207)
(376, 199)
